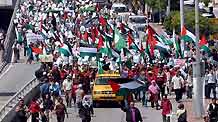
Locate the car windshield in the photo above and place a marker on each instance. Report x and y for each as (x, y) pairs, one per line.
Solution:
(138, 20)
(104, 81)
(120, 9)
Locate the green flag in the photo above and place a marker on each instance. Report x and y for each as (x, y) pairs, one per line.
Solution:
(120, 42)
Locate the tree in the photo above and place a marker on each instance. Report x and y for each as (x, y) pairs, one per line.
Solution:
(173, 20)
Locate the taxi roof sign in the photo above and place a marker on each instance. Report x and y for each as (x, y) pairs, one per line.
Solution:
(108, 75)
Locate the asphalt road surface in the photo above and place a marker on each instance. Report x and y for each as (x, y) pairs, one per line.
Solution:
(109, 114)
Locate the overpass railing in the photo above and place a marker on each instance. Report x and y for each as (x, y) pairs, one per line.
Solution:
(9, 40)
(13, 101)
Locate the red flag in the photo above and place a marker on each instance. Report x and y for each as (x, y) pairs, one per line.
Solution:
(100, 42)
(184, 31)
(115, 86)
(93, 35)
(37, 50)
(85, 36)
(203, 41)
(129, 38)
(151, 40)
(65, 15)
(102, 21)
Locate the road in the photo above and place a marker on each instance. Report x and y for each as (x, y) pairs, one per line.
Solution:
(114, 115)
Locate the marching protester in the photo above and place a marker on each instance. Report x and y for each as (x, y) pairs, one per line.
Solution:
(181, 113)
(21, 112)
(132, 113)
(166, 107)
(67, 85)
(34, 110)
(86, 110)
(178, 81)
(212, 110)
(154, 91)
(60, 110)
(48, 106)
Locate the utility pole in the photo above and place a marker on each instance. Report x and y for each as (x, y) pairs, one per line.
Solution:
(168, 7)
(181, 14)
(182, 23)
(197, 76)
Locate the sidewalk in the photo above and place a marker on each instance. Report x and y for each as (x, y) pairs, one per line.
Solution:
(153, 115)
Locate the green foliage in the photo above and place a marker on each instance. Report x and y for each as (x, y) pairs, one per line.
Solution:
(157, 4)
(173, 20)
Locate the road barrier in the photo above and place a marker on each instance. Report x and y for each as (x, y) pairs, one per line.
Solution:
(31, 89)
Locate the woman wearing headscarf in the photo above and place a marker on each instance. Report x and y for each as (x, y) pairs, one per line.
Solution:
(154, 91)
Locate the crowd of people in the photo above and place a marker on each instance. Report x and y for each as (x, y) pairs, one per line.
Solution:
(59, 30)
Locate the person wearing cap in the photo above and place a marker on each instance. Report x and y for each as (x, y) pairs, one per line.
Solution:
(178, 82)
(132, 113)
(67, 85)
(154, 91)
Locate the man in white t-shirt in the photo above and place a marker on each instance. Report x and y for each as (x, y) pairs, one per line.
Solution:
(211, 80)
(178, 81)
(67, 85)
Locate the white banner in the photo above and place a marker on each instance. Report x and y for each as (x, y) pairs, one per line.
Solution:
(32, 37)
(180, 62)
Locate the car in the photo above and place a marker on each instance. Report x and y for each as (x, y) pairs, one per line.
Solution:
(102, 91)
(189, 2)
(102, 3)
(137, 23)
(118, 8)
(208, 15)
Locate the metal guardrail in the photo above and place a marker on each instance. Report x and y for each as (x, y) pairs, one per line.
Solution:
(9, 40)
(13, 101)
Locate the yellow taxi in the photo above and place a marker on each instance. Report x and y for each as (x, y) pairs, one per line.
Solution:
(102, 90)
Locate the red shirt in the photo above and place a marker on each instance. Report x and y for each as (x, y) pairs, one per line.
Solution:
(34, 107)
(166, 106)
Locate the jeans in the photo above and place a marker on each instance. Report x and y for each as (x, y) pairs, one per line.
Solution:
(60, 118)
(165, 118)
(35, 116)
(212, 86)
(178, 93)
(189, 92)
(68, 97)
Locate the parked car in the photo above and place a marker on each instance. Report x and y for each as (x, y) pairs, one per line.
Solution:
(137, 23)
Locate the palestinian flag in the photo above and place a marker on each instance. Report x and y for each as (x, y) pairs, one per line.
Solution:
(203, 44)
(104, 46)
(19, 36)
(120, 42)
(85, 51)
(131, 85)
(102, 21)
(37, 50)
(187, 36)
(64, 49)
(151, 40)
